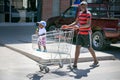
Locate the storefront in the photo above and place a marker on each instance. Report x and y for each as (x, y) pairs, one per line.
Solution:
(16, 11)
(29, 11)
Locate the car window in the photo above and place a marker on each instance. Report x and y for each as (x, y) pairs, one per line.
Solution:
(70, 12)
(98, 11)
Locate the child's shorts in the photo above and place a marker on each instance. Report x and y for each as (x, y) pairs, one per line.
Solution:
(42, 40)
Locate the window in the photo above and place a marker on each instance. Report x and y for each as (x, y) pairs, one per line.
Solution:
(1, 6)
(70, 12)
(98, 10)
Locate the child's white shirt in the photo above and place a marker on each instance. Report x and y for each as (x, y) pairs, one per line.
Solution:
(42, 31)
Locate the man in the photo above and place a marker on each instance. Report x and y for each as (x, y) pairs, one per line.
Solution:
(83, 39)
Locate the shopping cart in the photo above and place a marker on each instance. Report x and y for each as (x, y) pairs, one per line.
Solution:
(58, 46)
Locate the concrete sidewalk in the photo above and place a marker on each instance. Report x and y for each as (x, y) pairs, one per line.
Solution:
(19, 39)
(27, 50)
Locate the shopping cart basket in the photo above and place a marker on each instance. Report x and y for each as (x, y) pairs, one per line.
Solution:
(58, 46)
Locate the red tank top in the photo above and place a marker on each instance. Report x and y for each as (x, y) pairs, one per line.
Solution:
(82, 20)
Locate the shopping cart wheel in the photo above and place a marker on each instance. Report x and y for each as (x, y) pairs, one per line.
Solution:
(41, 68)
(60, 65)
(47, 69)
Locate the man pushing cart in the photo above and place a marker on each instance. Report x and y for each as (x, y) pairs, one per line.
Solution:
(58, 44)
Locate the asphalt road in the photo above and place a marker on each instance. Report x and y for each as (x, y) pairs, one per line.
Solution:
(11, 35)
(114, 49)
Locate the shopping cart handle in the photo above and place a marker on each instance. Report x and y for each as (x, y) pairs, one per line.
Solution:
(68, 29)
(65, 27)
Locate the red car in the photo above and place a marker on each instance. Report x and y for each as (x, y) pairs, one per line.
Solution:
(105, 30)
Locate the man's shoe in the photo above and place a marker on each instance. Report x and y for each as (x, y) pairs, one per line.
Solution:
(74, 66)
(95, 64)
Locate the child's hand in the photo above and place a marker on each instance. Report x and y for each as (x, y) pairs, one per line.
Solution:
(36, 32)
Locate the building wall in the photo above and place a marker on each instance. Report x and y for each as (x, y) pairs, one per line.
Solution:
(46, 9)
(48, 6)
(55, 7)
(26, 10)
(64, 4)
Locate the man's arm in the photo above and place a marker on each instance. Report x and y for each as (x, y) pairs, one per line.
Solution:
(72, 24)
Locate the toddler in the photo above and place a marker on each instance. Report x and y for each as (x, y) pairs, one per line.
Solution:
(41, 31)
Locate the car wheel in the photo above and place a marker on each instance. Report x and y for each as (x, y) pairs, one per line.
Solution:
(98, 41)
(52, 27)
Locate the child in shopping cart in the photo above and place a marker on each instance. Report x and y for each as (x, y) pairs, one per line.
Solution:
(41, 32)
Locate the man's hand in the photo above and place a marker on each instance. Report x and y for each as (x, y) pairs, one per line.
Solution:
(70, 27)
(66, 27)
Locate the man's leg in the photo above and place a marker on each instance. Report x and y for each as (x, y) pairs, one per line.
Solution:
(91, 49)
(93, 55)
(77, 53)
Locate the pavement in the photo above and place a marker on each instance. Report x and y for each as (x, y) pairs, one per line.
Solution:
(15, 66)
(19, 39)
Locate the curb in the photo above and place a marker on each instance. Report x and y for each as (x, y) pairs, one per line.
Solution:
(65, 61)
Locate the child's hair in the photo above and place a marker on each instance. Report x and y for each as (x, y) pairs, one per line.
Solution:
(37, 24)
(42, 23)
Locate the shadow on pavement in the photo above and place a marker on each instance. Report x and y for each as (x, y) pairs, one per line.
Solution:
(81, 72)
(114, 50)
(58, 73)
(76, 73)
(16, 34)
(34, 76)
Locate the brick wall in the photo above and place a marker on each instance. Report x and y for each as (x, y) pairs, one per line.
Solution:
(47, 8)
(64, 4)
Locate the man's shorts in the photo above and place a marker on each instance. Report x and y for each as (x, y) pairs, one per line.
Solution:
(83, 40)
